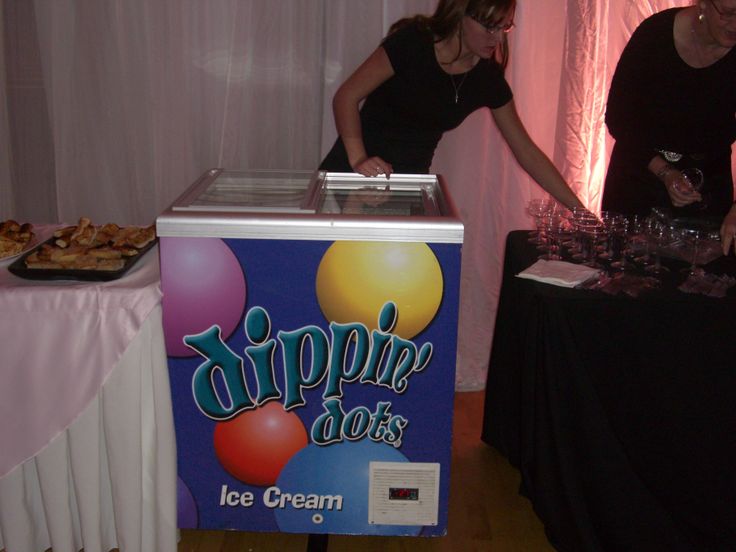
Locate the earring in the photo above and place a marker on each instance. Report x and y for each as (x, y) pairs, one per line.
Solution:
(701, 17)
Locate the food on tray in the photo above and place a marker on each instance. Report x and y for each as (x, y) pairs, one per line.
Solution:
(14, 237)
(89, 247)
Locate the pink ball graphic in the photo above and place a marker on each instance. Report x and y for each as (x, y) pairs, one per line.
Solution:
(203, 284)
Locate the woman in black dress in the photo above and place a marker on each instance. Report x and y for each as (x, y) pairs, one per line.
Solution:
(426, 77)
(671, 107)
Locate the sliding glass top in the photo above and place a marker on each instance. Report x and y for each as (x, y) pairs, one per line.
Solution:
(316, 192)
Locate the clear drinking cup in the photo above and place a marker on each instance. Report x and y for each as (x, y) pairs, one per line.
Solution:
(658, 237)
(695, 180)
(538, 208)
(579, 222)
(621, 245)
(591, 235)
(554, 227)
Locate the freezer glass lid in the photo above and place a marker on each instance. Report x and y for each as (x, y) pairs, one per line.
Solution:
(401, 195)
(261, 190)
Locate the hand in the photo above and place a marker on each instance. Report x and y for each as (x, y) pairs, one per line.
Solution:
(728, 231)
(679, 189)
(373, 166)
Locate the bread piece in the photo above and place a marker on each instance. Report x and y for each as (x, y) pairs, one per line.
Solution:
(14, 237)
(9, 226)
(9, 247)
(143, 237)
(65, 232)
(110, 264)
(123, 235)
(105, 253)
(83, 262)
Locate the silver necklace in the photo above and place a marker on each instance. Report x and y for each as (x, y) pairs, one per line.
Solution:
(704, 59)
(457, 87)
(696, 43)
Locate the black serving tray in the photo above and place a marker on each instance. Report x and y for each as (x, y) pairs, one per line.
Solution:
(19, 268)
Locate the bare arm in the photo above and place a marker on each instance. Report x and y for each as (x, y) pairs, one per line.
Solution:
(728, 231)
(531, 158)
(375, 70)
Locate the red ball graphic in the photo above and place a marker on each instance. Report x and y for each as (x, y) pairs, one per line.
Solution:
(256, 444)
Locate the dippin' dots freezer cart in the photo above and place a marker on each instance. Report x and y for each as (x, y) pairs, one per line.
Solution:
(310, 322)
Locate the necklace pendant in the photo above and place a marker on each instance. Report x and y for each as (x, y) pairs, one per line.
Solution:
(457, 87)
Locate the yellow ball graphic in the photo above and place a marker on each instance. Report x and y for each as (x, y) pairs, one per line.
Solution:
(355, 280)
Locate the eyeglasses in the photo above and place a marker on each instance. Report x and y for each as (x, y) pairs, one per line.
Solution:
(729, 15)
(494, 28)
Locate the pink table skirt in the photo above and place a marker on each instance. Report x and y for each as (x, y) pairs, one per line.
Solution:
(109, 480)
(59, 342)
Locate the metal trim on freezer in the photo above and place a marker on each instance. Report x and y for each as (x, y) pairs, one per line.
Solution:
(306, 227)
(442, 226)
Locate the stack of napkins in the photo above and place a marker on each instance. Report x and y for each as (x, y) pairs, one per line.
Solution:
(559, 273)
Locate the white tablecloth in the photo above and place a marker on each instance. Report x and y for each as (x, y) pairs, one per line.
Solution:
(107, 478)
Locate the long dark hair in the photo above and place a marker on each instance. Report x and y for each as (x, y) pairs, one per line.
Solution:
(447, 20)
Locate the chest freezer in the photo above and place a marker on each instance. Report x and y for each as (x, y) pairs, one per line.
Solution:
(311, 330)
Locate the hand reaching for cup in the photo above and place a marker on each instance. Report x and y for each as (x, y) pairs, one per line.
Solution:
(683, 186)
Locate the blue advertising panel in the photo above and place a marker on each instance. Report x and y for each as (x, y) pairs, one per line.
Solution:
(312, 383)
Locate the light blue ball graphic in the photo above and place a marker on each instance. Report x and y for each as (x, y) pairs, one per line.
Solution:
(339, 469)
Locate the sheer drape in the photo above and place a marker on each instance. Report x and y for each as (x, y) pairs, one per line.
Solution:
(139, 98)
(7, 203)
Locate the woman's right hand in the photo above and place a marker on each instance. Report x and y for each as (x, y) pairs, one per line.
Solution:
(373, 166)
(679, 189)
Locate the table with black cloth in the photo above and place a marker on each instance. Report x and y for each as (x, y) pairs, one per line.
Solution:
(619, 412)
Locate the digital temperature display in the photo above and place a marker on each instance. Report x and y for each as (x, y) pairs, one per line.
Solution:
(403, 493)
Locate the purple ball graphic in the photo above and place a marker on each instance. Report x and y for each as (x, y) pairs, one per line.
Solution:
(186, 507)
(203, 284)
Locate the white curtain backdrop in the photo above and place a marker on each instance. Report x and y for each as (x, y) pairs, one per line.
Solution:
(6, 189)
(111, 108)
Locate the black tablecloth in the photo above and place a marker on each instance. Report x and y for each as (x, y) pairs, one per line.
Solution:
(619, 412)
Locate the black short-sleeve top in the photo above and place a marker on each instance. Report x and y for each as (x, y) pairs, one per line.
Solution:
(657, 101)
(658, 104)
(405, 117)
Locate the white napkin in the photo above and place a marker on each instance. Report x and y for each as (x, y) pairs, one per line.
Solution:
(558, 273)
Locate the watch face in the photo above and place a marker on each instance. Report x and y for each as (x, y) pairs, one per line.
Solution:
(403, 493)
